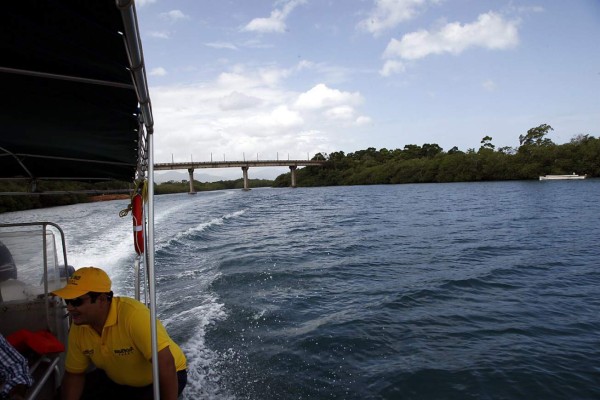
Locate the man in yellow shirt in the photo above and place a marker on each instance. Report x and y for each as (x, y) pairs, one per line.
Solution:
(113, 334)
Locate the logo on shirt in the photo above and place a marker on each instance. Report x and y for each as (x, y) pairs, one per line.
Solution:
(124, 352)
(88, 352)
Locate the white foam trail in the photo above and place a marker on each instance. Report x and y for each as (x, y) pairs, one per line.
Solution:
(199, 228)
(108, 250)
(201, 361)
(161, 214)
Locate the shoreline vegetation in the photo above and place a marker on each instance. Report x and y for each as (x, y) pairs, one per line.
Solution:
(429, 163)
(537, 155)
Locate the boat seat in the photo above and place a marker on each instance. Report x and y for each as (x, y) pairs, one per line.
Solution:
(13, 290)
(37, 314)
(34, 315)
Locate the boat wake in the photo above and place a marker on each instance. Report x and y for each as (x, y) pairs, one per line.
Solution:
(203, 380)
(195, 231)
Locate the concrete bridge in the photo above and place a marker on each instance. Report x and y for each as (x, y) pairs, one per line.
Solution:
(244, 165)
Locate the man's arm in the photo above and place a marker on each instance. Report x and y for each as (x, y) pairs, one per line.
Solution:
(167, 375)
(72, 386)
(15, 369)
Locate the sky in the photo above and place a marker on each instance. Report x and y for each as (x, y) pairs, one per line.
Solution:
(286, 79)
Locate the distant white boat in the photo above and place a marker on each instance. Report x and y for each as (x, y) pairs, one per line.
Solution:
(561, 177)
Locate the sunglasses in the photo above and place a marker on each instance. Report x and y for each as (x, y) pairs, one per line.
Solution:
(77, 301)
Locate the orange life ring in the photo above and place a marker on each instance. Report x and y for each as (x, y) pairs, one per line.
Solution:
(137, 211)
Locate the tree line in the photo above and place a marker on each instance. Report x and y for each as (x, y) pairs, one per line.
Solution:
(184, 186)
(53, 193)
(536, 155)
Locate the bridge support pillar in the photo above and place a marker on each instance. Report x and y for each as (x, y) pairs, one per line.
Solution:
(293, 171)
(245, 171)
(191, 172)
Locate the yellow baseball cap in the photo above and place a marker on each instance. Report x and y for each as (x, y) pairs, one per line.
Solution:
(87, 279)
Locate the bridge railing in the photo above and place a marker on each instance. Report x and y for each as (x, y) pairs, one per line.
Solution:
(245, 165)
(233, 164)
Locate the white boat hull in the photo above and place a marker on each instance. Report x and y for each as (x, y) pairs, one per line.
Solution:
(562, 177)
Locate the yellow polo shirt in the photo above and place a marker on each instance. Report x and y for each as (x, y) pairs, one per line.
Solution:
(124, 349)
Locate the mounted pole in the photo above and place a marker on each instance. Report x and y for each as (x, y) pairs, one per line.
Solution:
(133, 44)
(151, 275)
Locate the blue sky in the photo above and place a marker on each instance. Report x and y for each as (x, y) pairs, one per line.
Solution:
(290, 78)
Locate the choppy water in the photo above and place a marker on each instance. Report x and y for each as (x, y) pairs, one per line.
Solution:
(441, 291)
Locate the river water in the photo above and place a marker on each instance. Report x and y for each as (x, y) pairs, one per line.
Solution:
(430, 291)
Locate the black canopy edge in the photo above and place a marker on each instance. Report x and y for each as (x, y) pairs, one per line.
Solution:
(63, 192)
(54, 134)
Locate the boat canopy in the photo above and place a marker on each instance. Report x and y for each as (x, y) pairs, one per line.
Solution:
(74, 102)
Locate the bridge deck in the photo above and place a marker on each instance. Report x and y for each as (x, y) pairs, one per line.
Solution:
(239, 164)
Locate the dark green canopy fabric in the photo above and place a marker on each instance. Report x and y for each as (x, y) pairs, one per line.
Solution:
(53, 127)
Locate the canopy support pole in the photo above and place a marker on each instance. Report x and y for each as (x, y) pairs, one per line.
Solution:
(133, 44)
(150, 255)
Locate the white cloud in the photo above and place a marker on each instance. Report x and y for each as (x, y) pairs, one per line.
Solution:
(256, 44)
(142, 3)
(280, 117)
(344, 112)
(240, 78)
(221, 45)
(489, 85)
(273, 76)
(305, 64)
(391, 67)
(236, 80)
(330, 73)
(320, 96)
(490, 31)
(237, 101)
(363, 120)
(527, 9)
(173, 15)
(266, 25)
(247, 111)
(275, 23)
(160, 71)
(389, 13)
(160, 34)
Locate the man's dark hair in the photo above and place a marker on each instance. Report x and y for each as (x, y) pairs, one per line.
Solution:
(95, 295)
